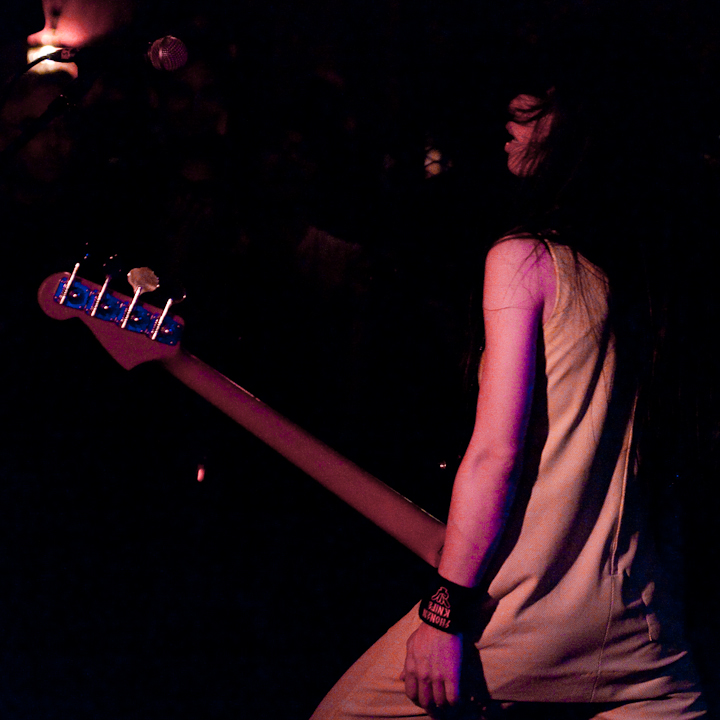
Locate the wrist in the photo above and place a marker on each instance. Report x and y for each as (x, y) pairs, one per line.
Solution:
(448, 606)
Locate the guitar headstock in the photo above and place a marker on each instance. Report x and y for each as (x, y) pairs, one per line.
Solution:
(149, 332)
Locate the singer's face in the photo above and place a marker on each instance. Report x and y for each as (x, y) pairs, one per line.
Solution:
(73, 23)
(528, 128)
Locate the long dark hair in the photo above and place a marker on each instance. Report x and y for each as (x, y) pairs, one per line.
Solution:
(620, 180)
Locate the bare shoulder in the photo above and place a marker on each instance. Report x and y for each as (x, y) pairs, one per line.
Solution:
(519, 269)
(524, 252)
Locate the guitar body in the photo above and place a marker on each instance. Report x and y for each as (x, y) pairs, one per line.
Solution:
(151, 335)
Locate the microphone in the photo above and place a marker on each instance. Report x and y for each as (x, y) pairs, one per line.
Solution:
(166, 53)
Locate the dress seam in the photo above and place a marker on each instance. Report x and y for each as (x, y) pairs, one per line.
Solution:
(605, 639)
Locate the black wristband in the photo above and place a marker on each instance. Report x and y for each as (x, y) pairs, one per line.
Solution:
(447, 606)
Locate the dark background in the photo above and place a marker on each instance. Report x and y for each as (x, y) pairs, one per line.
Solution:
(280, 177)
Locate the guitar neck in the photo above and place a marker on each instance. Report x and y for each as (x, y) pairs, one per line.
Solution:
(399, 517)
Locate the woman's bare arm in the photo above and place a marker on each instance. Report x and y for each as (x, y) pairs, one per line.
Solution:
(519, 293)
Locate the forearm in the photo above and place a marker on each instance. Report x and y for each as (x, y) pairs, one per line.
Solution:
(482, 495)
